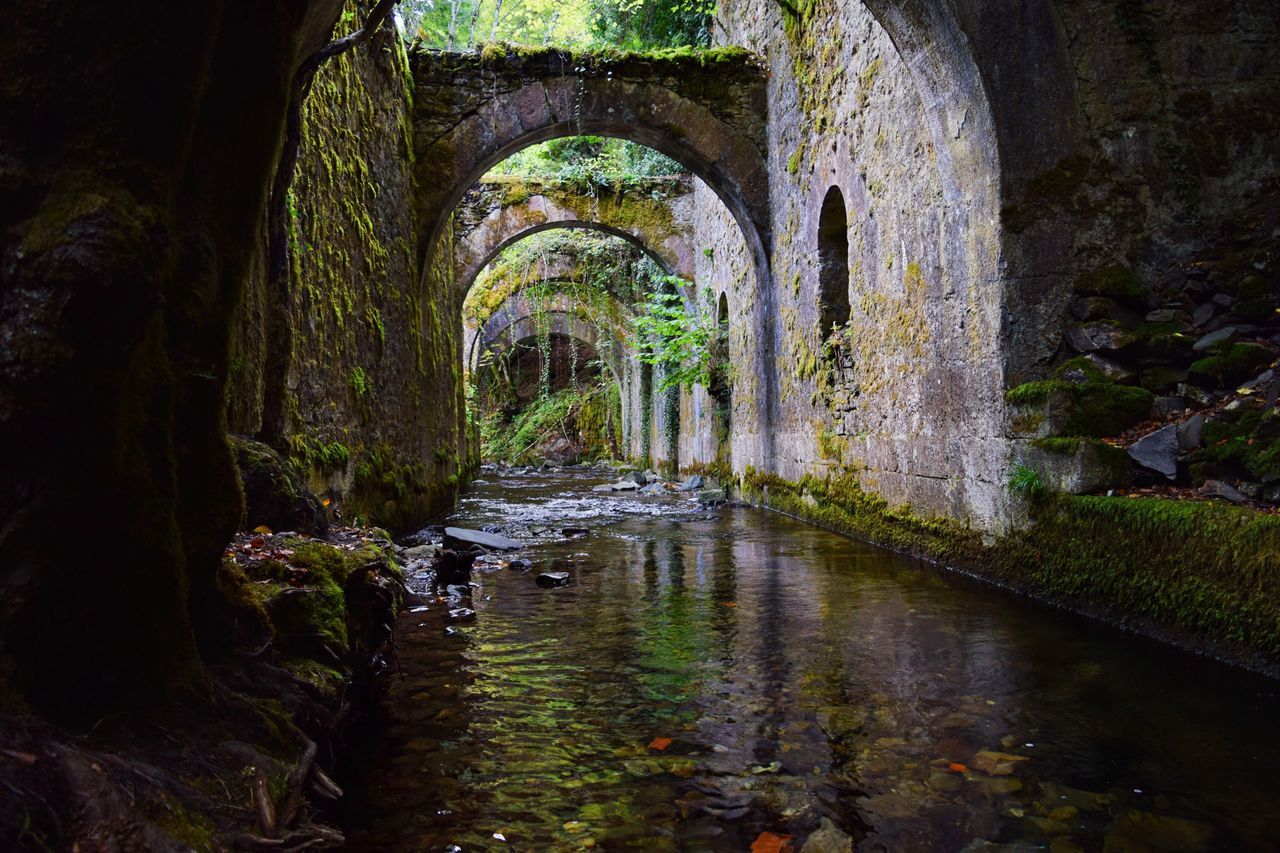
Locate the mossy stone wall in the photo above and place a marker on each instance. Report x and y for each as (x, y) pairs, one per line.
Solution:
(371, 416)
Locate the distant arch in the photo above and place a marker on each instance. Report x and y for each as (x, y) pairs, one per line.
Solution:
(833, 263)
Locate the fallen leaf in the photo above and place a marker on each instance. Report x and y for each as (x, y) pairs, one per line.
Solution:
(660, 743)
(263, 529)
(258, 542)
(769, 842)
(728, 604)
(957, 767)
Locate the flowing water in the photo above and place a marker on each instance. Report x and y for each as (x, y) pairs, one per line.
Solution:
(711, 675)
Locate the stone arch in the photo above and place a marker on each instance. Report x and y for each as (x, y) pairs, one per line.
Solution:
(474, 110)
(650, 218)
(517, 319)
(999, 91)
(833, 262)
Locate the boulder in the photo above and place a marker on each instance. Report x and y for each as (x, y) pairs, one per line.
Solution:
(1099, 335)
(692, 484)
(1158, 451)
(711, 496)
(1221, 337)
(1191, 432)
(274, 495)
(1079, 466)
(1204, 314)
(460, 538)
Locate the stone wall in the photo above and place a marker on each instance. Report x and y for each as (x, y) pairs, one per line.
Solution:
(983, 175)
(372, 402)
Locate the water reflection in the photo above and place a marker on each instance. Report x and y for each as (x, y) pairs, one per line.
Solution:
(798, 676)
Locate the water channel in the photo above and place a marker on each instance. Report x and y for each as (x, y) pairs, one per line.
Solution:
(709, 675)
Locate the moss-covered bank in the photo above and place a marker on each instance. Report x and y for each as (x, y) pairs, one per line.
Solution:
(1202, 575)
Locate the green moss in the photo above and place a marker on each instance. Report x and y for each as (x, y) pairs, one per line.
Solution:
(312, 454)
(1200, 572)
(1061, 445)
(1243, 442)
(1240, 362)
(191, 829)
(1080, 365)
(1089, 409)
(1116, 281)
(797, 158)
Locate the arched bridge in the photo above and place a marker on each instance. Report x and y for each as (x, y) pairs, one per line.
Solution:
(707, 112)
(656, 217)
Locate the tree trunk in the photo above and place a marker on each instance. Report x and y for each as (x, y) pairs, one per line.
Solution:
(497, 13)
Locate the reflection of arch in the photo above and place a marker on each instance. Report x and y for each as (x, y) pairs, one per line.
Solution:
(656, 219)
(471, 112)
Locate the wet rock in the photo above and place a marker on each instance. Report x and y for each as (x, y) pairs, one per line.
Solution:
(457, 591)
(462, 614)
(601, 489)
(1164, 315)
(1158, 451)
(421, 552)
(996, 763)
(1204, 314)
(479, 482)
(519, 565)
(1191, 432)
(654, 489)
(1263, 380)
(625, 485)
(1111, 370)
(553, 579)
(827, 839)
(1157, 832)
(639, 478)
(574, 531)
(460, 537)
(1221, 337)
(1219, 489)
(692, 484)
(711, 496)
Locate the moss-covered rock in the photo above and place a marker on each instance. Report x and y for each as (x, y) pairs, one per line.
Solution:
(274, 495)
(1078, 465)
(1241, 443)
(1116, 281)
(1056, 407)
(1232, 366)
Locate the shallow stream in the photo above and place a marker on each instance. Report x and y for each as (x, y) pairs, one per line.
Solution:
(711, 675)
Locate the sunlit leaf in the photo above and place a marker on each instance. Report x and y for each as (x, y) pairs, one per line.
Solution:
(770, 842)
(660, 743)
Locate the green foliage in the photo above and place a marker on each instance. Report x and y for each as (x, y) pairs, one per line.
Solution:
(586, 162)
(1243, 442)
(360, 383)
(589, 24)
(589, 418)
(1026, 482)
(675, 337)
(310, 454)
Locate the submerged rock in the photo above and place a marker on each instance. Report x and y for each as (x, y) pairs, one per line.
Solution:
(462, 538)
(828, 839)
(553, 579)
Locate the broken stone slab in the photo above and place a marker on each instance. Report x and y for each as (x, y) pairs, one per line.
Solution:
(552, 579)
(1158, 451)
(1225, 335)
(1191, 432)
(460, 538)
(1219, 489)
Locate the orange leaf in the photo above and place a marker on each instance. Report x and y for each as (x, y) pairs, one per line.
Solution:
(728, 604)
(769, 842)
(957, 767)
(263, 529)
(660, 743)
